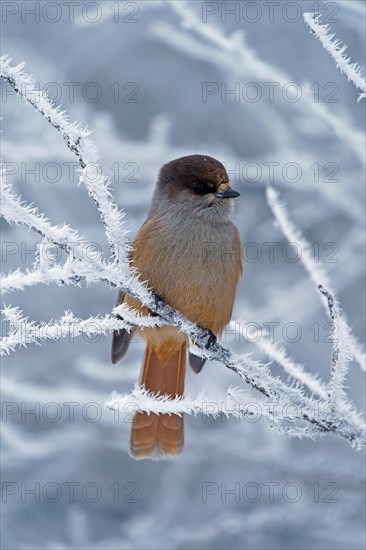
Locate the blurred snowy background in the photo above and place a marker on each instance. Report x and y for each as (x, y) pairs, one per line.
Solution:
(137, 74)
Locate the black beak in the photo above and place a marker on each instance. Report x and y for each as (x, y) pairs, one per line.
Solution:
(229, 194)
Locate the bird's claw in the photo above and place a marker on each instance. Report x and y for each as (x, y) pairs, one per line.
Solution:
(159, 302)
(211, 340)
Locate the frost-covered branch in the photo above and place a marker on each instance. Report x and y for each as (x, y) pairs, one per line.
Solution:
(16, 211)
(232, 52)
(337, 51)
(315, 270)
(258, 376)
(342, 349)
(22, 332)
(276, 353)
(135, 318)
(79, 142)
(236, 402)
(65, 274)
(345, 345)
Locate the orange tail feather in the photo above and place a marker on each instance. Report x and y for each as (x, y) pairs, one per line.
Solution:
(160, 435)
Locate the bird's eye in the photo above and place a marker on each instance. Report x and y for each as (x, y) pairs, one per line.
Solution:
(197, 186)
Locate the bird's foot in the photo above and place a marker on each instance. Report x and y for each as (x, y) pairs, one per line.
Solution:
(212, 339)
(159, 301)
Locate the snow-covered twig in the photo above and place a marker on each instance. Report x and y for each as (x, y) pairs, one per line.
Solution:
(345, 346)
(56, 274)
(342, 349)
(259, 377)
(235, 403)
(276, 353)
(16, 211)
(233, 53)
(337, 51)
(79, 142)
(22, 331)
(135, 318)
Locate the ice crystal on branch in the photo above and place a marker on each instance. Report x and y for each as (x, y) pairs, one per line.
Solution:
(338, 52)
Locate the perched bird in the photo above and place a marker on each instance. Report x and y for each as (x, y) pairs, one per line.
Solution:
(190, 254)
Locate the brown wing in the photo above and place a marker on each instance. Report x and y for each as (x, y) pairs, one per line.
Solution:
(121, 338)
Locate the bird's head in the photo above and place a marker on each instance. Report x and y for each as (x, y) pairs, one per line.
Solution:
(196, 182)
